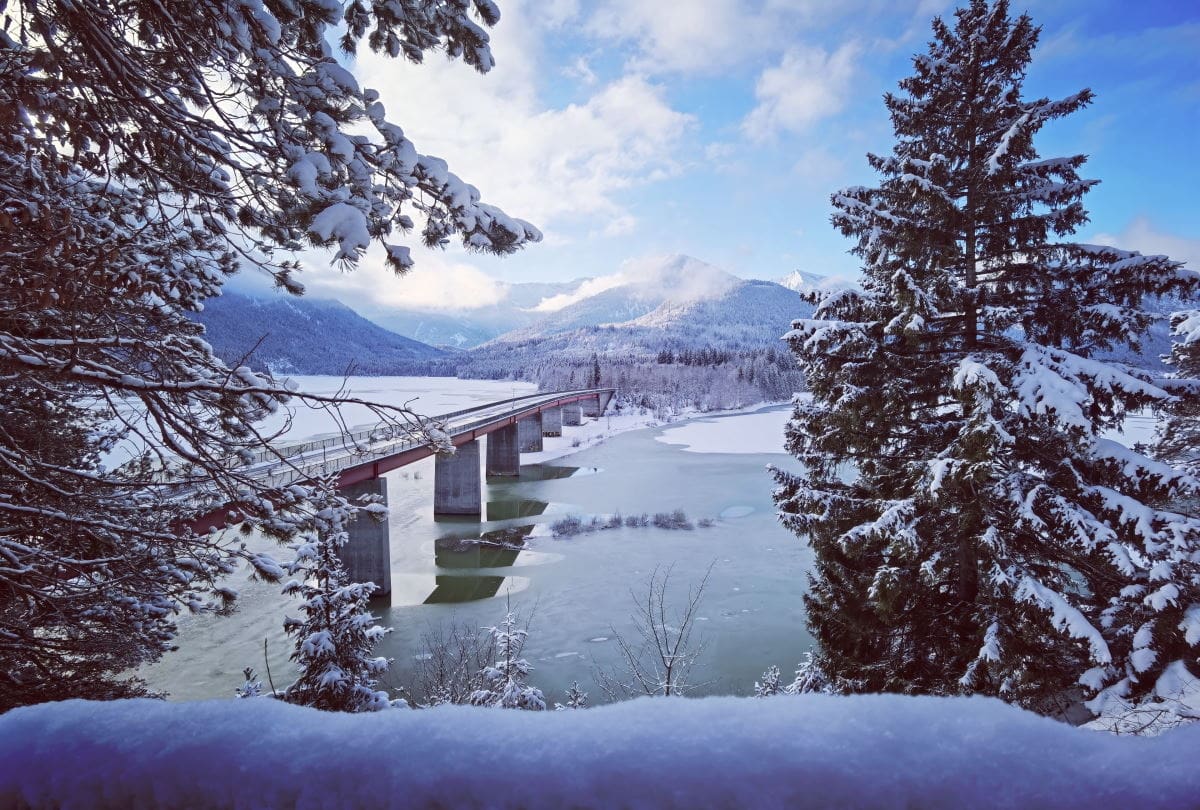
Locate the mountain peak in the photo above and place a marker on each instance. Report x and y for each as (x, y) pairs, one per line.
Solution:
(803, 281)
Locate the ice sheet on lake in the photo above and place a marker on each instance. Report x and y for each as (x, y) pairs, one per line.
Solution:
(760, 432)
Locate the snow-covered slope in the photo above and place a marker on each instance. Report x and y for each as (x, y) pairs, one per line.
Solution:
(804, 282)
(749, 312)
(745, 315)
(301, 336)
(811, 751)
(636, 291)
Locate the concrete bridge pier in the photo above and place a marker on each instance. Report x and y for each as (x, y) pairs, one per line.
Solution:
(503, 452)
(367, 555)
(572, 415)
(591, 407)
(552, 422)
(456, 484)
(529, 434)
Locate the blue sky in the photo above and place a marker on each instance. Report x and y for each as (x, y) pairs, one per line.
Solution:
(718, 128)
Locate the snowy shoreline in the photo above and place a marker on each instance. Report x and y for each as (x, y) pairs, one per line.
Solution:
(597, 430)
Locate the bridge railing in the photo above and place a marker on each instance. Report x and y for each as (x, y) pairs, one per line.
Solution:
(363, 444)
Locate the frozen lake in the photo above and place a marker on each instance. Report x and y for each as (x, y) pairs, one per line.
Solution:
(578, 589)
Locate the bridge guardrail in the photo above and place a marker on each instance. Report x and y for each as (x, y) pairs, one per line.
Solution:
(348, 454)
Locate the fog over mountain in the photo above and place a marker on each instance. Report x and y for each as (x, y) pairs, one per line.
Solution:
(463, 329)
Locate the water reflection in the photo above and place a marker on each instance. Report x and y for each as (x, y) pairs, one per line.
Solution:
(494, 549)
(477, 556)
(515, 508)
(454, 589)
(550, 472)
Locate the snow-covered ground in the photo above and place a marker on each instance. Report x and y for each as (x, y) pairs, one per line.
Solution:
(759, 432)
(759, 429)
(795, 752)
(593, 431)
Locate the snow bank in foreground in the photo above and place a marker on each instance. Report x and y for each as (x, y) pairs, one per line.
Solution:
(811, 751)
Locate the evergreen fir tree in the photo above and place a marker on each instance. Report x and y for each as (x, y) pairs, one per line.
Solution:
(336, 637)
(974, 532)
(809, 677)
(504, 680)
(1179, 434)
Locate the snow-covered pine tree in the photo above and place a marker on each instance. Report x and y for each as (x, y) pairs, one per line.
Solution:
(337, 636)
(1178, 440)
(576, 698)
(771, 683)
(974, 530)
(504, 680)
(808, 678)
(147, 152)
(252, 687)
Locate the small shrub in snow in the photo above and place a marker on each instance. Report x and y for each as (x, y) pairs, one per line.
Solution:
(567, 527)
(252, 687)
(450, 665)
(677, 520)
(672, 520)
(576, 698)
(504, 685)
(660, 660)
(771, 683)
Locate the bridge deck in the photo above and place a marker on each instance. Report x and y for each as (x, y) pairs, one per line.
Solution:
(369, 452)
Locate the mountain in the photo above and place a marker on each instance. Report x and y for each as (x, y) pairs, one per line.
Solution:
(289, 335)
(467, 328)
(713, 345)
(638, 290)
(804, 282)
(748, 316)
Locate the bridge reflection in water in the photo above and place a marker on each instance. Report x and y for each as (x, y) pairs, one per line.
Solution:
(498, 548)
(511, 427)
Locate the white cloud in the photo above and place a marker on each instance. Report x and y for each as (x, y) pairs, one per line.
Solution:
(809, 84)
(589, 288)
(620, 226)
(554, 166)
(674, 278)
(703, 36)
(437, 282)
(581, 71)
(708, 36)
(1142, 236)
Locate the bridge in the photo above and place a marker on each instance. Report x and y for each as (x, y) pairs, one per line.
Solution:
(361, 457)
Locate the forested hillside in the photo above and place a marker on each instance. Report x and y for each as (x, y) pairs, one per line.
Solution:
(711, 353)
(289, 335)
